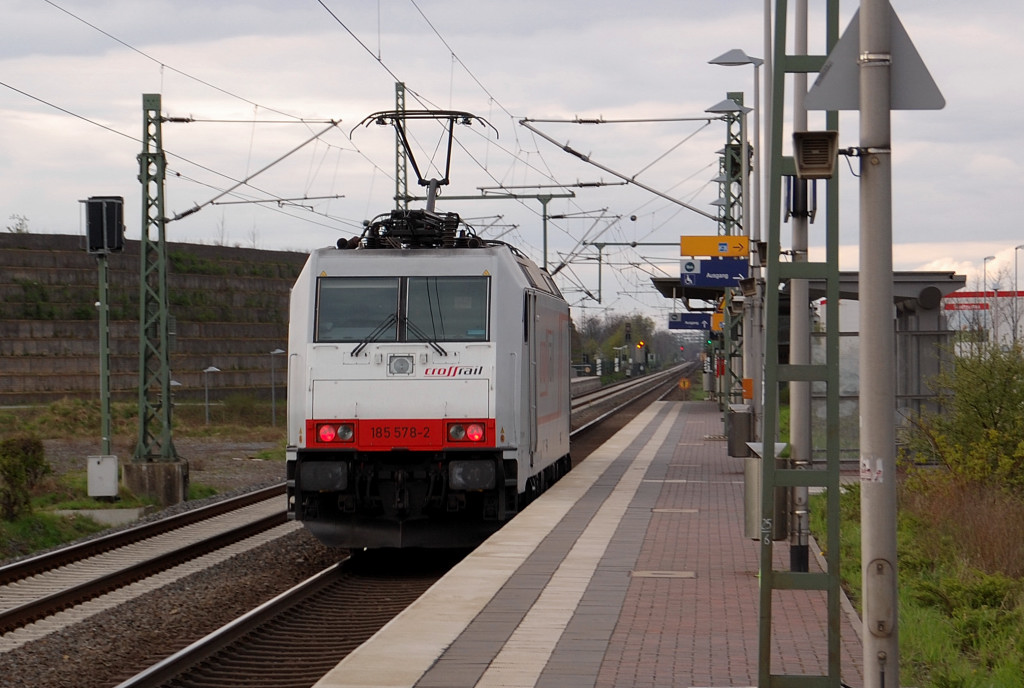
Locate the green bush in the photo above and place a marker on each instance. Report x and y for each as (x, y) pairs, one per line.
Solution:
(22, 466)
(979, 433)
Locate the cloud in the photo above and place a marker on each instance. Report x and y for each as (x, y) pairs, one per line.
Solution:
(955, 171)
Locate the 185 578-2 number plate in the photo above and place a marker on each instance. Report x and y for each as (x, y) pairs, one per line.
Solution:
(400, 433)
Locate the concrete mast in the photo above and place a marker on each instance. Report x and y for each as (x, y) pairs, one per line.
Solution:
(877, 352)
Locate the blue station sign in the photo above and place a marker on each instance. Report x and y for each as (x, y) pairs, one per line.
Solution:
(713, 272)
(689, 321)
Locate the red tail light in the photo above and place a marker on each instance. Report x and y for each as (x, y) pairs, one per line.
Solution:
(466, 432)
(329, 433)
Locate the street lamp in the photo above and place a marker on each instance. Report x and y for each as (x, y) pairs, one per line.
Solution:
(984, 294)
(273, 388)
(735, 58)
(752, 323)
(206, 389)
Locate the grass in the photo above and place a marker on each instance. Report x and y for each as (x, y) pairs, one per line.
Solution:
(39, 531)
(240, 418)
(236, 417)
(71, 491)
(961, 596)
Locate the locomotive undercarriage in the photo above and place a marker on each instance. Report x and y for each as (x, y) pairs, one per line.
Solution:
(401, 499)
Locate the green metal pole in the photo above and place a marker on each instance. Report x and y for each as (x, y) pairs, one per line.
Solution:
(154, 317)
(104, 309)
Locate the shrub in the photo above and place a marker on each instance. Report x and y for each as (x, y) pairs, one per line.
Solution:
(22, 466)
(979, 434)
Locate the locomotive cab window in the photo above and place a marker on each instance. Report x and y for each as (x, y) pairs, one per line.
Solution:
(413, 309)
(352, 309)
(447, 309)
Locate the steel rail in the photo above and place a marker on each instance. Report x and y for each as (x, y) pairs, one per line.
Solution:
(24, 614)
(89, 548)
(178, 663)
(648, 384)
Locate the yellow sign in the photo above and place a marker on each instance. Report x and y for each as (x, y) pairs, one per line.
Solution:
(684, 383)
(717, 320)
(714, 246)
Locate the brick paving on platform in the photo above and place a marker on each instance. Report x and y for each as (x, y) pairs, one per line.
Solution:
(695, 623)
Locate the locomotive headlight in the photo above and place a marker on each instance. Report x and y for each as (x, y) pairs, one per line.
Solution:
(400, 364)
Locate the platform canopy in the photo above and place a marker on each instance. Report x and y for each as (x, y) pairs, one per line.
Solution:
(908, 285)
(672, 288)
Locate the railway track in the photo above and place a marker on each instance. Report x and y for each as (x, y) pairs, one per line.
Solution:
(592, 408)
(42, 586)
(294, 639)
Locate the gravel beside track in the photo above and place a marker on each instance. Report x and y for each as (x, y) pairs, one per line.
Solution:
(118, 643)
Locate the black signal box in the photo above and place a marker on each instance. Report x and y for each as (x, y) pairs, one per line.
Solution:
(104, 224)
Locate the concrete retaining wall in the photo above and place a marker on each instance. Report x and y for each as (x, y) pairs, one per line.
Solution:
(230, 306)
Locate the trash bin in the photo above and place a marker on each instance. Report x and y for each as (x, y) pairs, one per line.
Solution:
(740, 427)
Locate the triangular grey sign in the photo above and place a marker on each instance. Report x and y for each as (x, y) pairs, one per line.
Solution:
(838, 84)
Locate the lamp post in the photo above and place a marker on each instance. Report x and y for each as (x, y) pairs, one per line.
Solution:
(1016, 295)
(273, 388)
(753, 343)
(984, 294)
(206, 389)
(734, 58)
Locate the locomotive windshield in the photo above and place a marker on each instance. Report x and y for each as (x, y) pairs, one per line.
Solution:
(411, 309)
(447, 309)
(350, 309)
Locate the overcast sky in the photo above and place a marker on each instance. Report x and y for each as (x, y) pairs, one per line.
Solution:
(73, 73)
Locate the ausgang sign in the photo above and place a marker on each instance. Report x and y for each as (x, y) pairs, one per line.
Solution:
(714, 246)
(714, 272)
(689, 321)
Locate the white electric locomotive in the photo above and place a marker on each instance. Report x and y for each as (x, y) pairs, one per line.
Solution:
(428, 386)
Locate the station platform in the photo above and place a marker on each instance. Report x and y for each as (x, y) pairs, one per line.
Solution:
(632, 570)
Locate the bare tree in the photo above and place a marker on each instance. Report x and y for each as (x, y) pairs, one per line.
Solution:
(20, 225)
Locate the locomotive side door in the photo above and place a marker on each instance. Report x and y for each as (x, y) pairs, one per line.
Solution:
(532, 339)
